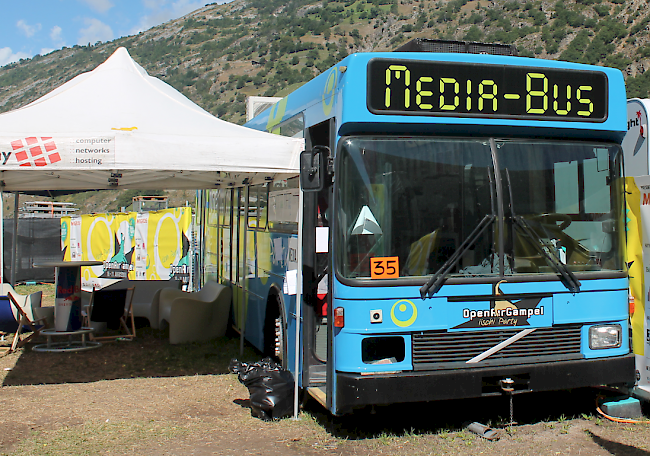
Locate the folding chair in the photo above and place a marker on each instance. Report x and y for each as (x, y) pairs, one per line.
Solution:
(115, 308)
(15, 321)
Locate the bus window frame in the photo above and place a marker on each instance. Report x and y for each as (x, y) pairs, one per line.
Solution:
(253, 222)
(261, 221)
(297, 133)
(283, 226)
(418, 281)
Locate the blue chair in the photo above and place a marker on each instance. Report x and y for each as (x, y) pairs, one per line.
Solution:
(13, 319)
(31, 304)
(8, 323)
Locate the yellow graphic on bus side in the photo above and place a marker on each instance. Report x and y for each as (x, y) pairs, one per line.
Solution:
(276, 113)
(328, 91)
(634, 255)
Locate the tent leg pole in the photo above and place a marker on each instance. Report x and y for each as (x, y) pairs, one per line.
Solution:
(2, 239)
(246, 193)
(14, 244)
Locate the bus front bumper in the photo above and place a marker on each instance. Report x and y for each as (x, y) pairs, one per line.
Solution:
(355, 390)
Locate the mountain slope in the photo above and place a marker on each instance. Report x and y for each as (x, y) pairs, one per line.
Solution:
(220, 54)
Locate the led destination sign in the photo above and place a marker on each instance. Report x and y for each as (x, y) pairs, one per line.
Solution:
(478, 90)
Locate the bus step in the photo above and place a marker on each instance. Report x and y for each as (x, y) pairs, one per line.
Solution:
(317, 374)
(319, 394)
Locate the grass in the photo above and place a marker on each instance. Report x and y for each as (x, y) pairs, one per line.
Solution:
(94, 438)
(150, 355)
(126, 360)
(47, 289)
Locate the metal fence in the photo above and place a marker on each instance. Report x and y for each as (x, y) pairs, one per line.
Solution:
(39, 240)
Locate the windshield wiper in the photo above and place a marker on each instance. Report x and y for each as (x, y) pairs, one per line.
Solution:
(438, 279)
(568, 279)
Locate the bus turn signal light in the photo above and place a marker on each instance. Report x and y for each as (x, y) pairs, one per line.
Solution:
(339, 320)
(630, 301)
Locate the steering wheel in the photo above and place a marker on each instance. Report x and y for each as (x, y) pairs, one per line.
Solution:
(552, 219)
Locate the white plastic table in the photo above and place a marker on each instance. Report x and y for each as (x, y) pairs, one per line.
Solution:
(67, 346)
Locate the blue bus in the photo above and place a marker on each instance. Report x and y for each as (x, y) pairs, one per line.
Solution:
(456, 230)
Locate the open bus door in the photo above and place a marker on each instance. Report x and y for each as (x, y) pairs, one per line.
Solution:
(316, 184)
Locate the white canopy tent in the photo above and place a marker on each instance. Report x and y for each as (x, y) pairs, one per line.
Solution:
(117, 127)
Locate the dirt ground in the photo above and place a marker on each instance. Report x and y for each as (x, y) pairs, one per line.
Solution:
(147, 397)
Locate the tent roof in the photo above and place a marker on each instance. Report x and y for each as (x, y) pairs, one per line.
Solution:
(118, 127)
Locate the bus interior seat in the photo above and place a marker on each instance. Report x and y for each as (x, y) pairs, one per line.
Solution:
(417, 262)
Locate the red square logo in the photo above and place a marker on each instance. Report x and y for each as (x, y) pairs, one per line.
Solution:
(35, 151)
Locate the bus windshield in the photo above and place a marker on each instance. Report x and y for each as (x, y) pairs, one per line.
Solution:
(418, 199)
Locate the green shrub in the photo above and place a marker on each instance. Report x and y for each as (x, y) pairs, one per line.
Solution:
(576, 49)
(641, 25)
(474, 34)
(538, 16)
(617, 61)
(602, 10)
(598, 50)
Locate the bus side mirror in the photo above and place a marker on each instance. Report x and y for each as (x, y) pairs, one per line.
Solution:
(313, 168)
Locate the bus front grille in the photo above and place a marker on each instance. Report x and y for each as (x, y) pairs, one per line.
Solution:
(442, 349)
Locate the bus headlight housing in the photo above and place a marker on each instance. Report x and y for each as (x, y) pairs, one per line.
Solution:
(605, 336)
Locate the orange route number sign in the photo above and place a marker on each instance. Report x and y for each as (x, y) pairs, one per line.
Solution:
(384, 267)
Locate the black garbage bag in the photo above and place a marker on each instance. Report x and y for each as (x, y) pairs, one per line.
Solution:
(270, 386)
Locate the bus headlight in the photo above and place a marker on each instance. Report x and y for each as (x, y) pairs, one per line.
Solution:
(605, 336)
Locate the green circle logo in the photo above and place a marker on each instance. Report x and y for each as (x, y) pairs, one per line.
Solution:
(404, 313)
(64, 231)
(131, 227)
(328, 91)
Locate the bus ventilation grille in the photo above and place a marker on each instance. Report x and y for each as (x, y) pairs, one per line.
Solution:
(440, 348)
(457, 47)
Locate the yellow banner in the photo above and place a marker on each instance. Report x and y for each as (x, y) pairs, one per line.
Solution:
(634, 257)
(168, 244)
(144, 246)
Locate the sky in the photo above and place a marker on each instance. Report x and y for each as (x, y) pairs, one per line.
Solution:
(31, 27)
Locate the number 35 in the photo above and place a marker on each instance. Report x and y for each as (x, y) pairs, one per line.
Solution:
(384, 267)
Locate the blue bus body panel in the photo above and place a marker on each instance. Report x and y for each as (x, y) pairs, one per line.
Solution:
(259, 287)
(404, 312)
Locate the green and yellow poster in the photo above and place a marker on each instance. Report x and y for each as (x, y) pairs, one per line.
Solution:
(143, 246)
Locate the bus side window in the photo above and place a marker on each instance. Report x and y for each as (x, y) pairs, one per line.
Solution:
(284, 199)
(263, 206)
(253, 208)
(224, 202)
(258, 207)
